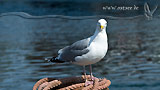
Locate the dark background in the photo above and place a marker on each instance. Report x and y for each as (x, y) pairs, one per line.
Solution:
(74, 7)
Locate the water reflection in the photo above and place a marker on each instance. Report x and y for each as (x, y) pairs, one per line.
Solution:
(133, 51)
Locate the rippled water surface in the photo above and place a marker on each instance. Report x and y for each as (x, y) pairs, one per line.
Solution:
(132, 61)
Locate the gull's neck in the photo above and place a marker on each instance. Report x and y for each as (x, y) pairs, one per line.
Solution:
(96, 34)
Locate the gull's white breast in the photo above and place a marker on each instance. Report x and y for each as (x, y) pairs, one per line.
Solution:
(97, 50)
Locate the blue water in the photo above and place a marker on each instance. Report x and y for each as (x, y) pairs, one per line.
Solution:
(132, 61)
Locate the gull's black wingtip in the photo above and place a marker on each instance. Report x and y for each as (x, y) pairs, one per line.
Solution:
(54, 60)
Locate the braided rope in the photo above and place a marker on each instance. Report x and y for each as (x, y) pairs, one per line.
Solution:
(72, 83)
(42, 81)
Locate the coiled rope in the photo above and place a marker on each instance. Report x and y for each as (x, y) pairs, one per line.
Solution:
(72, 83)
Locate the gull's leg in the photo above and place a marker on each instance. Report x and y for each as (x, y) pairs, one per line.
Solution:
(90, 69)
(84, 71)
(86, 81)
(91, 75)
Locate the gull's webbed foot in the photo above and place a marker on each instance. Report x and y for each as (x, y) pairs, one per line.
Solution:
(90, 81)
(87, 83)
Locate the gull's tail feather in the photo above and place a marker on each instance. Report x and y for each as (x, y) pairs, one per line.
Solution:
(54, 60)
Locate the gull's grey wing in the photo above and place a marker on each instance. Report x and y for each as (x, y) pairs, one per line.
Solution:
(78, 48)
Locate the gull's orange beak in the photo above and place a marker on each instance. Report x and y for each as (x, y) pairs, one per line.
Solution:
(102, 27)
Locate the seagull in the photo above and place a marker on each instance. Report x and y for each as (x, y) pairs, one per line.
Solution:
(86, 51)
(148, 13)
